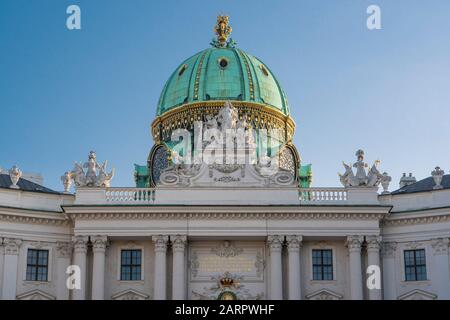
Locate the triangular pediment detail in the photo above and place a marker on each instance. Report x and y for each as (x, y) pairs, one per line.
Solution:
(417, 294)
(324, 294)
(130, 294)
(35, 295)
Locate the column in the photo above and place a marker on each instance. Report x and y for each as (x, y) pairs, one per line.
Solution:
(354, 250)
(179, 267)
(98, 269)
(389, 268)
(276, 276)
(294, 275)
(10, 266)
(79, 260)
(441, 270)
(159, 283)
(373, 257)
(63, 254)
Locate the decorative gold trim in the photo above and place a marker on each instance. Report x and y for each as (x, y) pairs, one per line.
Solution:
(260, 115)
(249, 75)
(197, 75)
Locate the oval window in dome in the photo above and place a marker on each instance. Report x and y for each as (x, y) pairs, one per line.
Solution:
(182, 69)
(223, 63)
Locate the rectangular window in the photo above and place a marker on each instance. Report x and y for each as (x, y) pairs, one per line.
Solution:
(37, 265)
(322, 264)
(415, 265)
(130, 265)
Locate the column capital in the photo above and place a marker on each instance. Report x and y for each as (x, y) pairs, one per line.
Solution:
(388, 249)
(275, 242)
(440, 246)
(353, 243)
(64, 249)
(178, 242)
(99, 243)
(80, 243)
(160, 242)
(12, 245)
(373, 243)
(294, 242)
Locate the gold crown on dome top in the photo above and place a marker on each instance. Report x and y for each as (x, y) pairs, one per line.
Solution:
(222, 29)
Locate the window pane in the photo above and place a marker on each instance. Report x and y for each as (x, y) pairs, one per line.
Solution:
(32, 256)
(415, 265)
(322, 264)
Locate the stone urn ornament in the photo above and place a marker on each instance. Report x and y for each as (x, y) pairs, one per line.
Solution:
(385, 181)
(437, 175)
(15, 174)
(67, 180)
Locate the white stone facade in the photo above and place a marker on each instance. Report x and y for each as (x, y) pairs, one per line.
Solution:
(226, 240)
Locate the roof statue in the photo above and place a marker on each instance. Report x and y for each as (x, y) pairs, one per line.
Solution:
(364, 178)
(94, 176)
(222, 30)
(437, 175)
(15, 174)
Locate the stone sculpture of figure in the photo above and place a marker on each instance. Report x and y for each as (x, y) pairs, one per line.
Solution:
(374, 177)
(67, 179)
(362, 179)
(227, 117)
(347, 179)
(360, 166)
(78, 175)
(104, 179)
(211, 122)
(92, 166)
(90, 178)
(15, 174)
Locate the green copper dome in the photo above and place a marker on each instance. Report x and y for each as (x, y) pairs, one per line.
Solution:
(222, 73)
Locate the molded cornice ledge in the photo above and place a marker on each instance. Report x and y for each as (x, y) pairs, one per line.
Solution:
(228, 212)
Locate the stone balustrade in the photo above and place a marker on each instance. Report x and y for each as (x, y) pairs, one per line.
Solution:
(130, 195)
(322, 195)
(308, 196)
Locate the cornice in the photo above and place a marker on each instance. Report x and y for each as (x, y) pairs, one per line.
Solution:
(224, 215)
(22, 215)
(418, 217)
(416, 220)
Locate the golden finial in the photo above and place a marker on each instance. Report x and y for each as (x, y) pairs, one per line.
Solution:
(222, 29)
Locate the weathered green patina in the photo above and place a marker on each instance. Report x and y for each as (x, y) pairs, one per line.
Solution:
(222, 74)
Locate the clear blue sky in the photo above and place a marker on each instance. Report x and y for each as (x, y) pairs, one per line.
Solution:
(63, 93)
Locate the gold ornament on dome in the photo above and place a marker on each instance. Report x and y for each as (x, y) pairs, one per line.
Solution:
(259, 117)
(222, 29)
